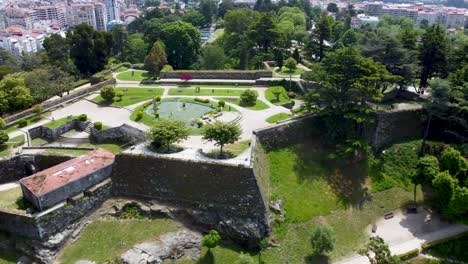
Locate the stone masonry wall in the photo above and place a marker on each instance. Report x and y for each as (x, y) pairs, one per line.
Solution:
(227, 197)
(15, 168)
(230, 75)
(52, 134)
(122, 134)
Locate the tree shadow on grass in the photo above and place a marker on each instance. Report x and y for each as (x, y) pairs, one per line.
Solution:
(208, 258)
(317, 259)
(346, 179)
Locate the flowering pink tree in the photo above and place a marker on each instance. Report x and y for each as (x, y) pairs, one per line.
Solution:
(186, 77)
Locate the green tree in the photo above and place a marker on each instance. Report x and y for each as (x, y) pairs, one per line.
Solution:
(443, 186)
(4, 106)
(323, 239)
(194, 18)
(346, 81)
(377, 252)
(120, 47)
(167, 132)
(58, 52)
(89, 48)
(208, 8)
(426, 170)
(264, 32)
(452, 160)
(156, 59)
(222, 134)
(332, 7)
(182, 41)
(213, 58)
(321, 33)
(290, 64)
(248, 97)
(211, 240)
(458, 205)
(2, 123)
(432, 54)
(3, 137)
(15, 93)
(136, 49)
(107, 92)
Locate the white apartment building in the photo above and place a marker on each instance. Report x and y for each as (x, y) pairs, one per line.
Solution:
(52, 13)
(362, 19)
(112, 10)
(93, 14)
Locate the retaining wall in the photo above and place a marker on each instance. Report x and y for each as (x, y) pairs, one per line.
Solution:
(52, 134)
(228, 196)
(121, 134)
(239, 75)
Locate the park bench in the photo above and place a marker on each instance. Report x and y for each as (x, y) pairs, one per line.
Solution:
(388, 215)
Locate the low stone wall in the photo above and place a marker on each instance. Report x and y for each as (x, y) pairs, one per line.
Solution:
(52, 134)
(121, 134)
(45, 224)
(17, 167)
(403, 94)
(229, 75)
(227, 197)
(51, 104)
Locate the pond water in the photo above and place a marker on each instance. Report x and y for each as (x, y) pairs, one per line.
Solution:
(177, 111)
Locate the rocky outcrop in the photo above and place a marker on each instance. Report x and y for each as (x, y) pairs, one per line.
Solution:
(169, 246)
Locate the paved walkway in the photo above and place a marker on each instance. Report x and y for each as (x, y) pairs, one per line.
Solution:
(8, 186)
(406, 232)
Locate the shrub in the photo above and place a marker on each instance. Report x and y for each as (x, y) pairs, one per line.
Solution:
(98, 125)
(2, 122)
(82, 117)
(167, 132)
(248, 97)
(139, 115)
(323, 239)
(454, 162)
(3, 137)
(131, 212)
(119, 95)
(158, 98)
(292, 95)
(221, 103)
(37, 109)
(245, 259)
(22, 123)
(211, 240)
(156, 113)
(108, 92)
(199, 123)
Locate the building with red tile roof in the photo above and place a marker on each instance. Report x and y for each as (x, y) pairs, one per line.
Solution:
(49, 187)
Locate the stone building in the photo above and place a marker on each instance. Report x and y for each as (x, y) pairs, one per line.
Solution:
(54, 185)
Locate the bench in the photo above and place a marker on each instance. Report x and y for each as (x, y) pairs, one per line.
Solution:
(388, 215)
(374, 228)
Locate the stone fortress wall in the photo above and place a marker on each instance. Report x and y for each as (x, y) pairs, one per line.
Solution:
(51, 134)
(218, 196)
(227, 75)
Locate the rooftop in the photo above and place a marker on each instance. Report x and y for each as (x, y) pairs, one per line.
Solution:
(69, 171)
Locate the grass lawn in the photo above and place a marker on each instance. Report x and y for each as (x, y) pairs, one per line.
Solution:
(207, 92)
(11, 200)
(132, 96)
(220, 86)
(17, 141)
(114, 148)
(67, 152)
(394, 166)
(37, 142)
(259, 105)
(285, 71)
(9, 257)
(283, 97)
(136, 76)
(237, 148)
(278, 117)
(58, 122)
(5, 151)
(121, 69)
(105, 240)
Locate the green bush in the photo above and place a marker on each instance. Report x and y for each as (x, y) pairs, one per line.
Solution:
(221, 103)
(248, 97)
(410, 254)
(119, 95)
(108, 92)
(22, 123)
(158, 98)
(139, 115)
(82, 117)
(2, 122)
(3, 137)
(98, 125)
(131, 212)
(37, 109)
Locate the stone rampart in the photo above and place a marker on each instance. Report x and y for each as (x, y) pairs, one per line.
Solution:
(121, 134)
(52, 134)
(226, 197)
(228, 75)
